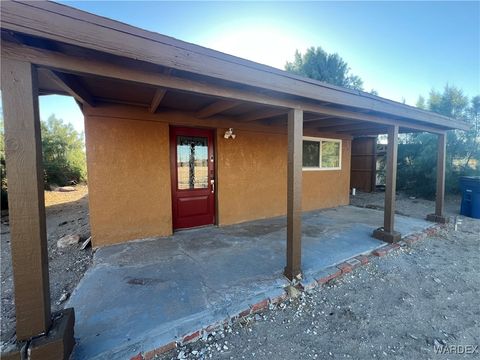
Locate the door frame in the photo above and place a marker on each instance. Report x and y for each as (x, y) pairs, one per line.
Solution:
(212, 151)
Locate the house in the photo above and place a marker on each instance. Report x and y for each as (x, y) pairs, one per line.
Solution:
(177, 136)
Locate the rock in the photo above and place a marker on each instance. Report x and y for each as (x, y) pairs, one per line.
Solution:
(68, 240)
(181, 355)
(258, 317)
(66, 189)
(63, 298)
(292, 292)
(85, 243)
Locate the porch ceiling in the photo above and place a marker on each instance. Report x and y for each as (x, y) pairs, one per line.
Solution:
(107, 90)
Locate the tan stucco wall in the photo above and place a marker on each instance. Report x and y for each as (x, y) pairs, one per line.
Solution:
(129, 173)
(128, 179)
(252, 173)
(252, 184)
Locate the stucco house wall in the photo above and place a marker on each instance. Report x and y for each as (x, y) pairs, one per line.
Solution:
(128, 160)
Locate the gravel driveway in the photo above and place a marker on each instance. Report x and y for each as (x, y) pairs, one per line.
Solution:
(401, 306)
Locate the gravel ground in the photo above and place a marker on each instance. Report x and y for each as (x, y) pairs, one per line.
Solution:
(66, 213)
(400, 306)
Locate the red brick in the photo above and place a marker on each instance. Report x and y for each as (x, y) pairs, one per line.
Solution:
(137, 357)
(393, 247)
(354, 263)
(278, 299)
(329, 277)
(345, 267)
(259, 306)
(363, 259)
(192, 337)
(244, 313)
(149, 355)
(214, 327)
(380, 252)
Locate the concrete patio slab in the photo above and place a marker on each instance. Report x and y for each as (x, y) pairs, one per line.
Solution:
(141, 295)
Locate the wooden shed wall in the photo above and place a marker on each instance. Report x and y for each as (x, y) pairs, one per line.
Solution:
(363, 174)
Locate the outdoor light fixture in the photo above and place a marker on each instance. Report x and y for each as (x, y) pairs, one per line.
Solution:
(229, 134)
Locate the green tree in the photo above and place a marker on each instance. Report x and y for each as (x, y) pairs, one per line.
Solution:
(63, 152)
(317, 64)
(417, 152)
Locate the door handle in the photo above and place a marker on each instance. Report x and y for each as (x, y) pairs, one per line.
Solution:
(212, 182)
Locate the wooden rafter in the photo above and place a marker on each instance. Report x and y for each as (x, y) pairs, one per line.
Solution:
(329, 122)
(317, 118)
(70, 84)
(159, 94)
(349, 127)
(262, 114)
(216, 108)
(157, 99)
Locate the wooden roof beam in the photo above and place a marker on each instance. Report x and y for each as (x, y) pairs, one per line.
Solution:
(316, 118)
(157, 99)
(262, 114)
(329, 122)
(70, 84)
(348, 127)
(159, 95)
(216, 108)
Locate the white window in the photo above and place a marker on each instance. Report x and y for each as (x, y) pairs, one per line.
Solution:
(322, 154)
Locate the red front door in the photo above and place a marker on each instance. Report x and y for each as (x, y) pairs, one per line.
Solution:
(193, 177)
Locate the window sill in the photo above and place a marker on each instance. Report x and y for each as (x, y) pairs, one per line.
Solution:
(319, 169)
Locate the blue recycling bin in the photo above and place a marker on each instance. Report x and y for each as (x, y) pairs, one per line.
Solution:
(470, 188)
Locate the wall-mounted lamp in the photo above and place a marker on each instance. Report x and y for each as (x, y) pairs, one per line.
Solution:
(229, 134)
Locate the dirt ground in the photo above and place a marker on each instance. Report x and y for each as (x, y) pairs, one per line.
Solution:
(66, 213)
(401, 306)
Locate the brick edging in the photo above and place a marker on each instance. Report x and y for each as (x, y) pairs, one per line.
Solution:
(336, 271)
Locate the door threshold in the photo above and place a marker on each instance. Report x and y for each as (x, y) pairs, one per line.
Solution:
(194, 228)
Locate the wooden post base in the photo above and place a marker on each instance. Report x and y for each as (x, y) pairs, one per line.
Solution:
(292, 274)
(390, 237)
(437, 218)
(56, 345)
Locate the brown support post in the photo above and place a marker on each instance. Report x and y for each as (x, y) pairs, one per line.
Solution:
(387, 233)
(294, 194)
(26, 198)
(439, 215)
(23, 150)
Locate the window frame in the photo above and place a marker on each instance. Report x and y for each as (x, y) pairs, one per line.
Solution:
(320, 140)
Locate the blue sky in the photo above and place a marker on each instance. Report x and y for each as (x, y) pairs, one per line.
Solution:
(400, 49)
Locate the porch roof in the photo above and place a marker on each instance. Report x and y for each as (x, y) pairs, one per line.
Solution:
(85, 51)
